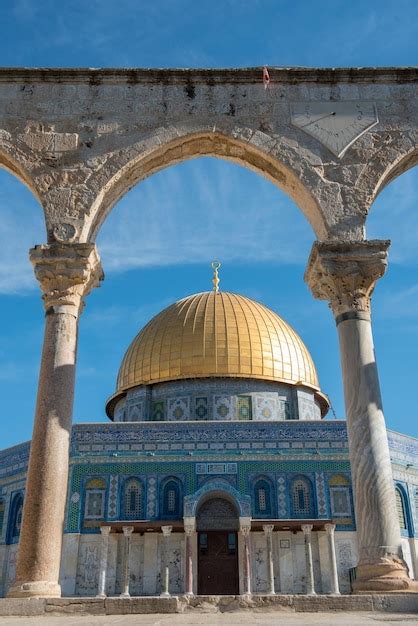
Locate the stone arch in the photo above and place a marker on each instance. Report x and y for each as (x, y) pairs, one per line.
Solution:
(272, 159)
(217, 488)
(14, 167)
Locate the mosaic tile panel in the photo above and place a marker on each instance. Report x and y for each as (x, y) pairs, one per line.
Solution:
(201, 408)
(151, 497)
(158, 411)
(244, 408)
(136, 412)
(282, 510)
(112, 503)
(178, 409)
(222, 408)
(321, 497)
(266, 408)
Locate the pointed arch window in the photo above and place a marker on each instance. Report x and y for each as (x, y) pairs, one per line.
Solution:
(95, 499)
(171, 501)
(15, 518)
(263, 498)
(301, 498)
(133, 500)
(400, 508)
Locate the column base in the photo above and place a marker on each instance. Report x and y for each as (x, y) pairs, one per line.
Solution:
(389, 574)
(36, 589)
(165, 594)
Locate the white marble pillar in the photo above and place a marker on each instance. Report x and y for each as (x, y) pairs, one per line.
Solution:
(189, 530)
(330, 530)
(246, 564)
(127, 534)
(104, 548)
(345, 274)
(307, 532)
(66, 274)
(268, 531)
(165, 562)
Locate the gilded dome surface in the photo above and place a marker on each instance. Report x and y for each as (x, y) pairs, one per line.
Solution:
(216, 335)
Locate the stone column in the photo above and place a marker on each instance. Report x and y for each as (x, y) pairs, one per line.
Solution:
(268, 531)
(66, 274)
(104, 548)
(310, 586)
(330, 530)
(189, 530)
(246, 565)
(345, 274)
(165, 562)
(127, 533)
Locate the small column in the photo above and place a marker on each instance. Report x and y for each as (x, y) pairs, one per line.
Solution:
(127, 533)
(307, 531)
(268, 531)
(101, 591)
(165, 564)
(345, 274)
(66, 273)
(330, 530)
(189, 530)
(246, 565)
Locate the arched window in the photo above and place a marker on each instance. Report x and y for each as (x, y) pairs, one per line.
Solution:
(301, 498)
(1, 516)
(262, 498)
(15, 518)
(400, 508)
(171, 500)
(95, 499)
(133, 500)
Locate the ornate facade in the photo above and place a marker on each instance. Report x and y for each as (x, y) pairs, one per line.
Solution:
(223, 479)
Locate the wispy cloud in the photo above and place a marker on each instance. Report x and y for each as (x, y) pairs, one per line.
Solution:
(201, 210)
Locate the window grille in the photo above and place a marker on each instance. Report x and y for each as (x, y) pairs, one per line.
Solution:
(400, 507)
(171, 499)
(262, 498)
(301, 498)
(95, 499)
(340, 502)
(262, 501)
(133, 500)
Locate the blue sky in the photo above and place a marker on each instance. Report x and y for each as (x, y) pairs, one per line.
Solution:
(157, 244)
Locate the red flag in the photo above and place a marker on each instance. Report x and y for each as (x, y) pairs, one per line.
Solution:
(266, 77)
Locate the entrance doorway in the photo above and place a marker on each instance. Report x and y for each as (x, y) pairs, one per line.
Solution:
(217, 526)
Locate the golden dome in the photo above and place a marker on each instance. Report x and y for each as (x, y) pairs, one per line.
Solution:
(217, 335)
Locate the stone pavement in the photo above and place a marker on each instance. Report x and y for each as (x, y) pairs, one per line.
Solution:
(239, 618)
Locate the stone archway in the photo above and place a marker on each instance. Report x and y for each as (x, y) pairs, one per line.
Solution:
(217, 525)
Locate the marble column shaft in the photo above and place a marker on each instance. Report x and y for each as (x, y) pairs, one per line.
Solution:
(127, 534)
(330, 530)
(189, 532)
(245, 531)
(345, 274)
(310, 585)
(268, 531)
(104, 548)
(165, 561)
(66, 274)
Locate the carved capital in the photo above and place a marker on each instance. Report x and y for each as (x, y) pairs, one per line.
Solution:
(127, 530)
(345, 274)
(268, 529)
(245, 529)
(105, 530)
(66, 273)
(307, 529)
(329, 528)
(166, 530)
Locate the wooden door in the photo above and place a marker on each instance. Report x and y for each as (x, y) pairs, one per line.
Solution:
(218, 563)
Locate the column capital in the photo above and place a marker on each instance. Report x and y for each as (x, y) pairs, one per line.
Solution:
(329, 528)
(105, 530)
(127, 530)
(245, 529)
(189, 529)
(268, 529)
(345, 274)
(307, 529)
(166, 530)
(66, 273)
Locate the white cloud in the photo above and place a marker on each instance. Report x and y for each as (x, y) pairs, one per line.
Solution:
(201, 210)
